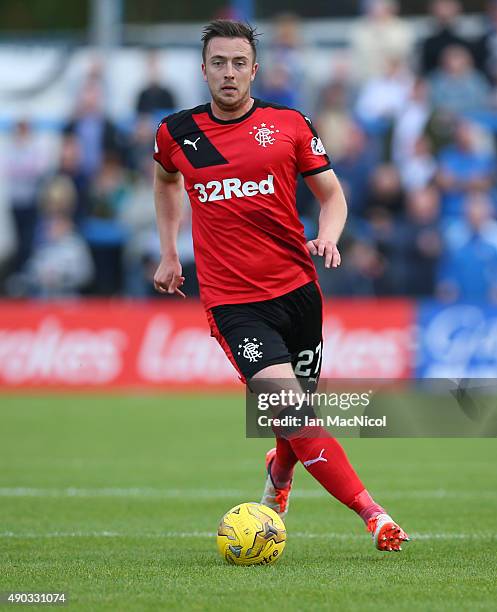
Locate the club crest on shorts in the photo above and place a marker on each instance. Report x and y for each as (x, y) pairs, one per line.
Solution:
(264, 134)
(250, 349)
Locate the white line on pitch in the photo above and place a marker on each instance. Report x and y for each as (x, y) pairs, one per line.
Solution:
(151, 493)
(207, 534)
(120, 492)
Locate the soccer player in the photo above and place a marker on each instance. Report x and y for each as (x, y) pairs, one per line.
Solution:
(238, 159)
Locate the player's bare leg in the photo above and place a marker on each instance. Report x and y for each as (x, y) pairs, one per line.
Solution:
(325, 459)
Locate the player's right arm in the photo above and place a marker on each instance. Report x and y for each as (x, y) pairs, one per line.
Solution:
(168, 197)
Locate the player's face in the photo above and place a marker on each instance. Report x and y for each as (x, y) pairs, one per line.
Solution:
(229, 70)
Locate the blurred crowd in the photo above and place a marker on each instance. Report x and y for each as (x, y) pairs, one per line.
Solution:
(409, 122)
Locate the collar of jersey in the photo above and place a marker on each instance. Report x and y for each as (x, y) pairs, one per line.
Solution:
(228, 121)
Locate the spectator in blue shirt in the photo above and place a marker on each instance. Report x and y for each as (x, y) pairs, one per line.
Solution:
(468, 270)
(465, 166)
(456, 86)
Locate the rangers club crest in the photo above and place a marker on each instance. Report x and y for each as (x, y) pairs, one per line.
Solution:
(264, 134)
(250, 349)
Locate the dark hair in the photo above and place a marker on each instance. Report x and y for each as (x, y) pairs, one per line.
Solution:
(226, 28)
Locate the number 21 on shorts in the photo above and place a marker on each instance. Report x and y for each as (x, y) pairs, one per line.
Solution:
(306, 362)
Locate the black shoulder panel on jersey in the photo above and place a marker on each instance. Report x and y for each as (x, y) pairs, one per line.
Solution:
(198, 149)
(309, 125)
(184, 113)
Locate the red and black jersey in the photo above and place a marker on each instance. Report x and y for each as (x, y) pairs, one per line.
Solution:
(241, 178)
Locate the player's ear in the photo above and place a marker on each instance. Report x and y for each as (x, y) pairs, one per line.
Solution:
(204, 72)
(255, 68)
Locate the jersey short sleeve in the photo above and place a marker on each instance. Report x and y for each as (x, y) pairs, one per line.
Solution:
(162, 148)
(311, 154)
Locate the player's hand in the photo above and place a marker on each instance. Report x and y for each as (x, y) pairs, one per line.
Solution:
(167, 278)
(326, 249)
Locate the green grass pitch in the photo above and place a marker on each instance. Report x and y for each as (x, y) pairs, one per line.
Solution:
(115, 499)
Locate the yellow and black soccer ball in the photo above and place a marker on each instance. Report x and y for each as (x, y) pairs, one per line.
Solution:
(251, 534)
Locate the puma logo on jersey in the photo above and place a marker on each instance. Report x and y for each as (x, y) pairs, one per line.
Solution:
(189, 142)
(233, 188)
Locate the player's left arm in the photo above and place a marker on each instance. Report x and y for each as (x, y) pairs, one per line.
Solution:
(328, 192)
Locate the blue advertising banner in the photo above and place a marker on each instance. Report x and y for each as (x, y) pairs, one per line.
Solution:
(456, 341)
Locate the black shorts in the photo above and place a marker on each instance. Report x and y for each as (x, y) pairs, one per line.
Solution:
(286, 329)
